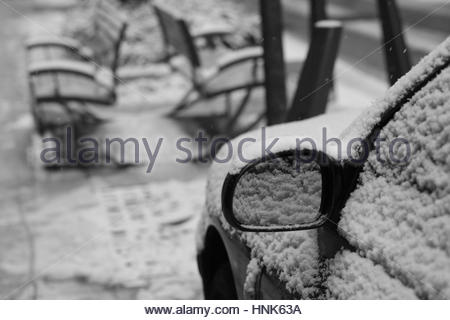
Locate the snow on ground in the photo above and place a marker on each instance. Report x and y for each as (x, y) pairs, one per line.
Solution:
(93, 241)
(153, 91)
(424, 5)
(90, 240)
(130, 237)
(56, 4)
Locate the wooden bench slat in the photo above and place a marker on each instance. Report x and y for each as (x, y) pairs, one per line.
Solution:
(105, 5)
(177, 35)
(113, 21)
(104, 29)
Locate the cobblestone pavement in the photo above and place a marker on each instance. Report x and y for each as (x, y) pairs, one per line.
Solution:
(100, 233)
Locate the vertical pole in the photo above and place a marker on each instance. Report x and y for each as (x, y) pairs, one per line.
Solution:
(316, 78)
(274, 69)
(317, 12)
(396, 54)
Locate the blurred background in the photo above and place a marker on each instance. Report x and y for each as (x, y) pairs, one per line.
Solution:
(113, 231)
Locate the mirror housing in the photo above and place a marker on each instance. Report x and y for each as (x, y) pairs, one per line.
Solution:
(328, 170)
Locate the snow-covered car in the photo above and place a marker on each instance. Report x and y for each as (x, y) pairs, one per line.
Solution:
(362, 216)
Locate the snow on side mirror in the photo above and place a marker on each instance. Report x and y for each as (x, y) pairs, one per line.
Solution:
(291, 191)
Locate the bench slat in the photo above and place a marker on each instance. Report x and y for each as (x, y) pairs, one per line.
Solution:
(104, 29)
(113, 21)
(177, 35)
(106, 6)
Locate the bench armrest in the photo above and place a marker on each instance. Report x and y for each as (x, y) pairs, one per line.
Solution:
(210, 32)
(69, 44)
(63, 66)
(239, 56)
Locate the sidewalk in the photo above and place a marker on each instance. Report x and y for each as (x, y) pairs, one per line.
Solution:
(99, 233)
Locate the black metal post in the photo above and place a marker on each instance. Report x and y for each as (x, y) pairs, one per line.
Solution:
(396, 52)
(316, 78)
(317, 12)
(274, 69)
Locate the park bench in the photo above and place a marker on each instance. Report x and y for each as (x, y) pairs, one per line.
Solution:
(68, 81)
(236, 70)
(106, 31)
(61, 69)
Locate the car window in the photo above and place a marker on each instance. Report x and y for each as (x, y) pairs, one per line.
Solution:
(398, 217)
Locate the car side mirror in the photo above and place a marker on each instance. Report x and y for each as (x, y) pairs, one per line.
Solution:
(291, 191)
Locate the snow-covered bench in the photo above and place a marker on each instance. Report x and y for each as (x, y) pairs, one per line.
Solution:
(57, 63)
(236, 70)
(67, 79)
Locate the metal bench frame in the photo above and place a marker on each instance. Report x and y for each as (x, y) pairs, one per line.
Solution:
(180, 41)
(109, 24)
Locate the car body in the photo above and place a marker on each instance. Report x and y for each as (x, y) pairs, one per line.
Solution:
(390, 235)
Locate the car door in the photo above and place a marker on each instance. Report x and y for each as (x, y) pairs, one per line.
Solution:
(392, 240)
(397, 220)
